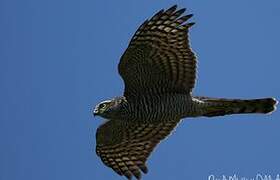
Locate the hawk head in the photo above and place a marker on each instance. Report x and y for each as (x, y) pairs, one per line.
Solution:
(110, 108)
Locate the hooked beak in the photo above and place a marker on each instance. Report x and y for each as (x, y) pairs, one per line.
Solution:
(95, 112)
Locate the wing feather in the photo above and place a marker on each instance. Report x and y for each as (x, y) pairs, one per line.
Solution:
(125, 146)
(159, 58)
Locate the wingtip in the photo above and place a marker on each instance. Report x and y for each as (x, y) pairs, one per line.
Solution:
(181, 11)
(188, 25)
(144, 169)
(137, 174)
(158, 14)
(128, 175)
(189, 15)
(172, 8)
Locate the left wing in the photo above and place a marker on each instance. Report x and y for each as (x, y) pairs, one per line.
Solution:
(159, 58)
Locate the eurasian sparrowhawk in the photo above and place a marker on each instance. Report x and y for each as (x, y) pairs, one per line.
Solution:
(159, 72)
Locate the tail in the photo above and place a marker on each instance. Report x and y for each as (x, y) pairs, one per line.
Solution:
(219, 107)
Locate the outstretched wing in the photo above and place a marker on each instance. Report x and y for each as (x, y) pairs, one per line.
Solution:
(159, 58)
(125, 146)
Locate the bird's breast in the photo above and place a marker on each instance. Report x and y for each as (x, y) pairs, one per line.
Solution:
(162, 107)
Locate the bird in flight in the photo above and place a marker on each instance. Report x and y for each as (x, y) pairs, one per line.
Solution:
(159, 72)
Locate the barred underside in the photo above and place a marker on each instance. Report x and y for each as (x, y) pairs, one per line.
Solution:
(159, 72)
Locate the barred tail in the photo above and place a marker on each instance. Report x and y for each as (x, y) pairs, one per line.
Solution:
(219, 107)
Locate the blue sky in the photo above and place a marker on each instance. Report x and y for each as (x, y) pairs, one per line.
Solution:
(59, 58)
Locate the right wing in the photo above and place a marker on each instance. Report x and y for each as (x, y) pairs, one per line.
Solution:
(125, 146)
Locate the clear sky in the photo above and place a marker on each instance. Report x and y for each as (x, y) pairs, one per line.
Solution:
(58, 59)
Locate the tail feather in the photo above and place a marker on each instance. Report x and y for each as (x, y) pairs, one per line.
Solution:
(220, 107)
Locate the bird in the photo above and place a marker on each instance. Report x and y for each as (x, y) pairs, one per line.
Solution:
(159, 72)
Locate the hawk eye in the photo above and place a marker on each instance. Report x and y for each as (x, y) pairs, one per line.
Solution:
(102, 106)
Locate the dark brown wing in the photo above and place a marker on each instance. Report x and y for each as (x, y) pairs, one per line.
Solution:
(159, 58)
(125, 146)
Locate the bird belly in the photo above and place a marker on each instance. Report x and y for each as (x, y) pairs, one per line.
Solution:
(161, 108)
